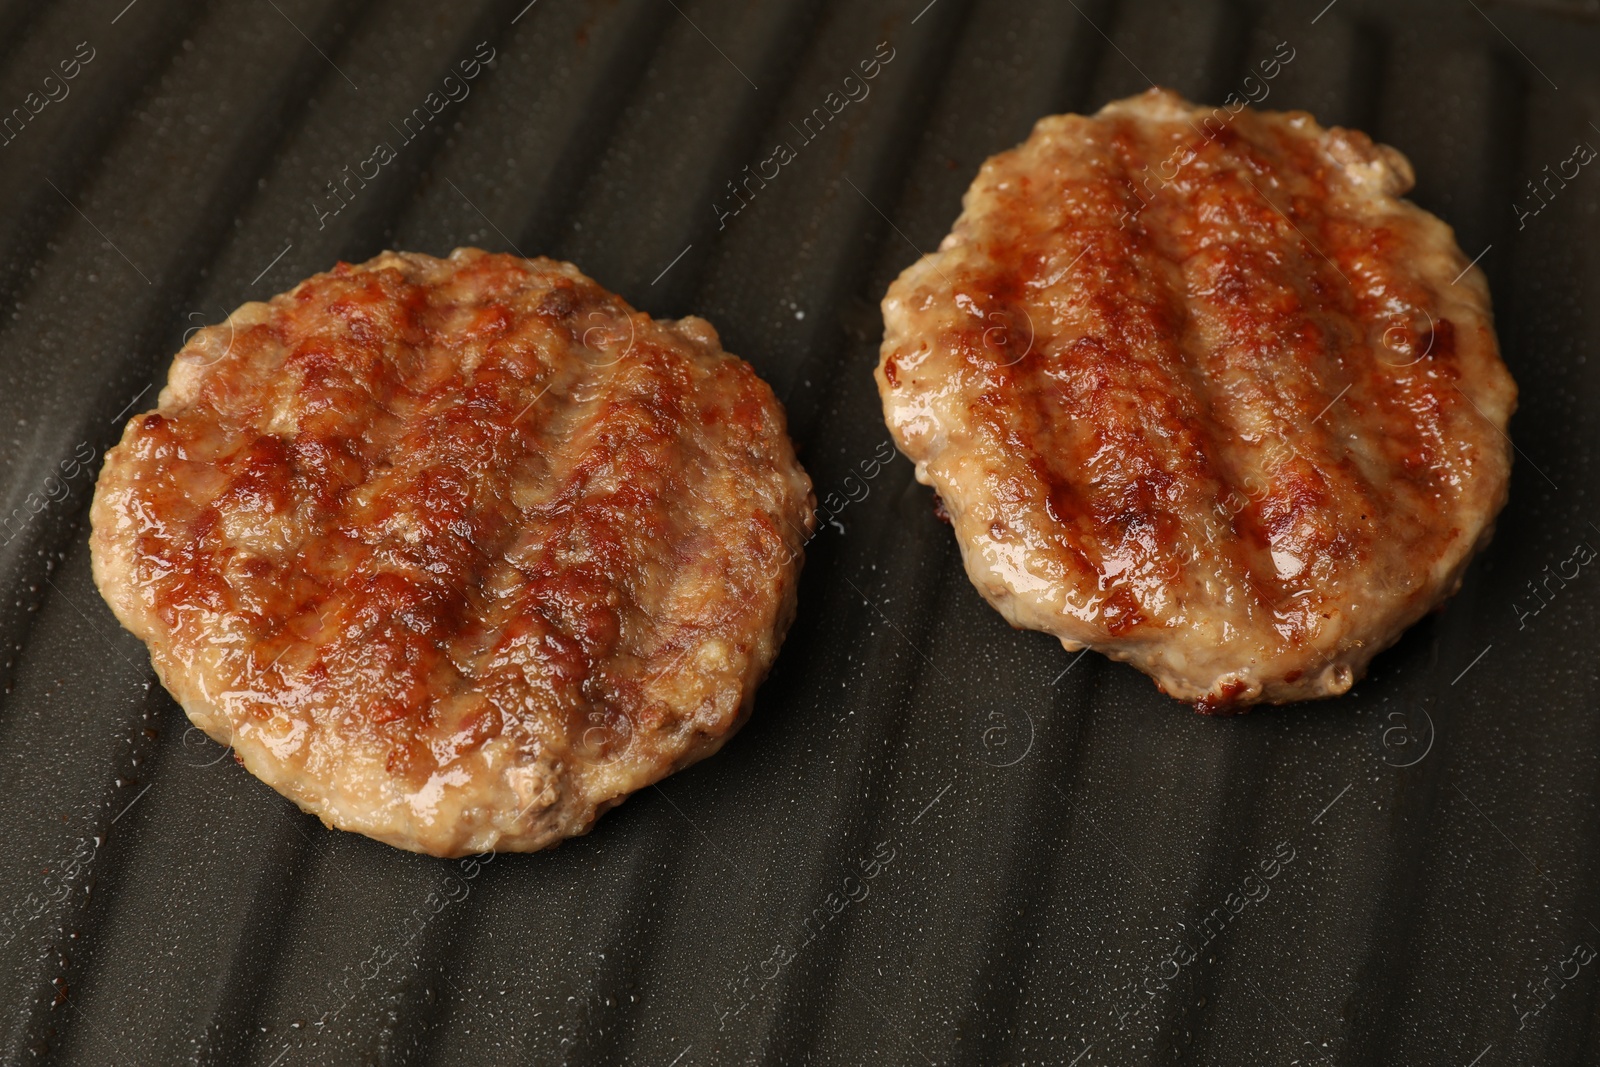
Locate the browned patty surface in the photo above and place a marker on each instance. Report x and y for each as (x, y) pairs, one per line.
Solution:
(1200, 391)
(457, 553)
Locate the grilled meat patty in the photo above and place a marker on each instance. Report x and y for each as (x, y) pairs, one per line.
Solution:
(1200, 391)
(456, 553)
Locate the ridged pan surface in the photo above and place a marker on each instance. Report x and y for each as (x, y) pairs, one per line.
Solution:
(938, 840)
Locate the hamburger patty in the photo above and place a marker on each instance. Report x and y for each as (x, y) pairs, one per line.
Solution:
(456, 553)
(1199, 391)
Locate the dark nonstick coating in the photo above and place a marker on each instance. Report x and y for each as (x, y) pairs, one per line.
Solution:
(938, 841)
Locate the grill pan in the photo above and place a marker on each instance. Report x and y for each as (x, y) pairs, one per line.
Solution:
(938, 840)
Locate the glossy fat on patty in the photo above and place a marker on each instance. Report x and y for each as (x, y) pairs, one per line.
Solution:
(1200, 391)
(457, 553)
